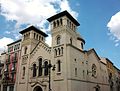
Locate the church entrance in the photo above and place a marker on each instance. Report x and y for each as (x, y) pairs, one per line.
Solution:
(37, 88)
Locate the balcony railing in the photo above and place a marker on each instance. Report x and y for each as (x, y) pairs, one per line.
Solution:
(8, 81)
(13, 71)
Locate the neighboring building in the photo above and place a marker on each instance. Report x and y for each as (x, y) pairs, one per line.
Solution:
(11, 66)
(32, 65)
(116, 79)
(1, 74)
(104, 71)
(2, 61)
(111, 74)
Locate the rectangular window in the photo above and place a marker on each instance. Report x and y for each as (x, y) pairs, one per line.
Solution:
(59, 66)
(7, 66)
(75, 71)
(15, 57)
(4, 88)
(11, 88)
(12, 75)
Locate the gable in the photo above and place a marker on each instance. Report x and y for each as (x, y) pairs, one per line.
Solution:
(93, 52)
(41, 49)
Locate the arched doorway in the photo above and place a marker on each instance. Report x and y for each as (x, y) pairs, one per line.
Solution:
(37, 88)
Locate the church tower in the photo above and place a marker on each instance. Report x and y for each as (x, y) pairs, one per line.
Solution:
(31, 37)
(63, 30)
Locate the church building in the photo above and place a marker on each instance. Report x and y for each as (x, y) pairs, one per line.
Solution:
(32, 65)
(65, 66)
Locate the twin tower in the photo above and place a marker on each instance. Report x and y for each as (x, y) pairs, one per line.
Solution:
(36, 55)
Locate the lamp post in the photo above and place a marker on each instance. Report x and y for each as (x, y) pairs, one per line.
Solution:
(49, 73)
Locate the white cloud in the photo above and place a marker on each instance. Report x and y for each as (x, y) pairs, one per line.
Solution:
(7, 32)
(64, 5)
(114, 27)
(3, 43)
(33, 12)
(117, 44)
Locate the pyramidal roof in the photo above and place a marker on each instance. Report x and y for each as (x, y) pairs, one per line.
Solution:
(34, 29)
(64, 13)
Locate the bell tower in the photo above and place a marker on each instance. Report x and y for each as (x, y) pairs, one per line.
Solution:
(63, 30)
(63, 24)
(31, 37)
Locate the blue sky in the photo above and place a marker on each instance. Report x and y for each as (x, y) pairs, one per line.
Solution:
(99, 22)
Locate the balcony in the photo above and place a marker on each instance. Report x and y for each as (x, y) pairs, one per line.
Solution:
(14, 60)
(6, 72)
(8, 81)
(7, 61)
(13, 71)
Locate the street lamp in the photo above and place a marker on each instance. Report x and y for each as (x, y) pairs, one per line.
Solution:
(49, 73)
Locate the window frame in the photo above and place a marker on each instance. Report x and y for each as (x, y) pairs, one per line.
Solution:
(58, 66)
(34, 70)
(58, 40)
(40, 70)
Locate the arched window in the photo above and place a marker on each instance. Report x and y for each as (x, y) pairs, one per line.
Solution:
(25, 50)
(58, 40)
(37, 37)
(58, 51)
(34, 70)
(54, 24)
(83, 74)
(59, 66)
(26, 36)
(72, 26)
(61, 21)
(42, 38)
(29, 34)
(55, 52)
(96, 89)
(46, 68)
(68, 23)
(70, 40)
(110, 76)
(94, 70)
(82, 45)
(23, 71)
(40, 67)
(37, 88)
(75, 71)
(34, 36)
(57, 22)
